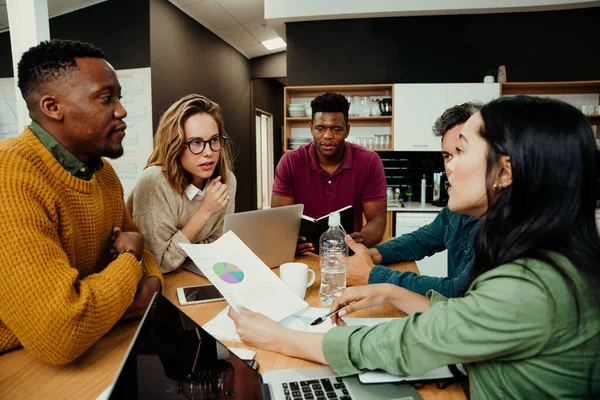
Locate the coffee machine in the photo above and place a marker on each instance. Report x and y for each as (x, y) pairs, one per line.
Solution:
(440, 189)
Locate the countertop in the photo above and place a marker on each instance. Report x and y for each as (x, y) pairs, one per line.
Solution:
(413, 206)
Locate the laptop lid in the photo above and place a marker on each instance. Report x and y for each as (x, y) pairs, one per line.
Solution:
(271, 234)
(172, 357)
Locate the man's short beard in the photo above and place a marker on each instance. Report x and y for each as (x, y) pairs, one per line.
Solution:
(113, 153)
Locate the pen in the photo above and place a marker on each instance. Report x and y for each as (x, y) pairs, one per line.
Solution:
(324, 317)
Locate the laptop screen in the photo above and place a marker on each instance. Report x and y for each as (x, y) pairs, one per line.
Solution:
(172, 357)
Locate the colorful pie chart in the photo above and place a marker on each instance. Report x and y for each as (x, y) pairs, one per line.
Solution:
(228, 272)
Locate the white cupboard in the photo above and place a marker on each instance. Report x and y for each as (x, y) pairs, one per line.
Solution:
(406, 222)
(417, 106)
(459, 93)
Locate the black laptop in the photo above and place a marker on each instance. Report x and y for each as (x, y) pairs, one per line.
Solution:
(172, 357)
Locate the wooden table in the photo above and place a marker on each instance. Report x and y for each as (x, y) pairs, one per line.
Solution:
(24, 376)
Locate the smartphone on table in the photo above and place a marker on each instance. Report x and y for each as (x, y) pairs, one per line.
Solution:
(198, 294)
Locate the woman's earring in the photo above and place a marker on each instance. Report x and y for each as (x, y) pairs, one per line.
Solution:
(499, 186)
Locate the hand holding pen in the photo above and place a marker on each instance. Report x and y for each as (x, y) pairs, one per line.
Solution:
(358, 298)
(324, 317)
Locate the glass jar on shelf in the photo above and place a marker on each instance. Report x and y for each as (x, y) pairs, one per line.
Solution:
(386, 142)
(365, 106)
(356, 106)
(375, 111)
(378, 142)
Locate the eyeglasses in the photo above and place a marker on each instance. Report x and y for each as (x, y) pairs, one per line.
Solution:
(197, 146)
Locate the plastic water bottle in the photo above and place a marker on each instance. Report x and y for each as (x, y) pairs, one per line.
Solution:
(334, 260)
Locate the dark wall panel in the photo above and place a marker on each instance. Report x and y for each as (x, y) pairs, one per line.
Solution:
(188, 58)
(6, 69)
(120, 28)
(540, 46)
(270, 66)
(267, 95)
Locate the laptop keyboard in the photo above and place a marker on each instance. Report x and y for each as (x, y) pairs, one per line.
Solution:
(316, 389)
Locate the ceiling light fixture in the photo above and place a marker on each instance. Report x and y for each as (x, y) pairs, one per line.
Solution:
(273, 44)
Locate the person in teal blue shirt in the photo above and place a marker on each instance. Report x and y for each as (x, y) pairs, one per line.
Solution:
(449, 231)
(528, 326)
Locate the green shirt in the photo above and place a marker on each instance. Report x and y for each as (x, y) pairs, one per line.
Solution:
(64, 157)
(515, 330)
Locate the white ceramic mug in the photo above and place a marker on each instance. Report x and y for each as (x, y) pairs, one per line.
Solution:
(295, 275)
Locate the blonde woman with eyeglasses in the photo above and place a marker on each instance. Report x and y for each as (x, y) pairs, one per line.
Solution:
(188, 185)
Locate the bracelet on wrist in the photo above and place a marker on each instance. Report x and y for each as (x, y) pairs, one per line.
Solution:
(132, 252)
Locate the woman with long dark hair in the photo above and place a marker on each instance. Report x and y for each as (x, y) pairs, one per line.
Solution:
(528, 326)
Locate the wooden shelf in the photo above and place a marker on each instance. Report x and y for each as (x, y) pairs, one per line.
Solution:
(593, 119)
(350, 119)
(303, 94)
(516, 88)
(555, 88)
(352, 90)
(377, 151)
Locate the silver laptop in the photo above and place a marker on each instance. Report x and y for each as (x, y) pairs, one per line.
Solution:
(172, 357)
(321, 383)
(271, 234)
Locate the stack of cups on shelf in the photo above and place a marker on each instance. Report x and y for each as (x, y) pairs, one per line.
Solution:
(375, 142)
(590, 109)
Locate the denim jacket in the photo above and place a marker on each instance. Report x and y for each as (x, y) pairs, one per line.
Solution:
(449, 230)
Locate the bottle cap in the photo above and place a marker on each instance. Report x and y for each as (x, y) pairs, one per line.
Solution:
(334, 219)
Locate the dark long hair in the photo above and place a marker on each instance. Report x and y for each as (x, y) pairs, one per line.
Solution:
(550, 205)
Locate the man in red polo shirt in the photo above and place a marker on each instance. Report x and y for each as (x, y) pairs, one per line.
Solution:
(330, 173)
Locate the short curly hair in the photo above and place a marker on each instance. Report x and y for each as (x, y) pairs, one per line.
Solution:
(330, 102)
(455, 116)
(50, 61)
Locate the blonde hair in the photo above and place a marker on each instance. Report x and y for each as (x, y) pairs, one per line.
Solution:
(170, 137)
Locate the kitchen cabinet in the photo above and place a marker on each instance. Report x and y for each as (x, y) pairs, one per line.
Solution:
(389, 225)
(369, 131)
(406, 222)
(417, 106)
(459, 93)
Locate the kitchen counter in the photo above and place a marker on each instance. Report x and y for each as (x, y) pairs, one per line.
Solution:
(418, 207)
(413, 206)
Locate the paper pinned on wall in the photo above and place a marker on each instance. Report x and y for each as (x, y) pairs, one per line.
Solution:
(8, 109)
(137, 144)
(243, 278)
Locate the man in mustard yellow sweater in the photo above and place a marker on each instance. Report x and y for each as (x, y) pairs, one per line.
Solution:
(72, 262)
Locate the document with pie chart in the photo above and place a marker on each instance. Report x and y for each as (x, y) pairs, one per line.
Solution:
(243, 278)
